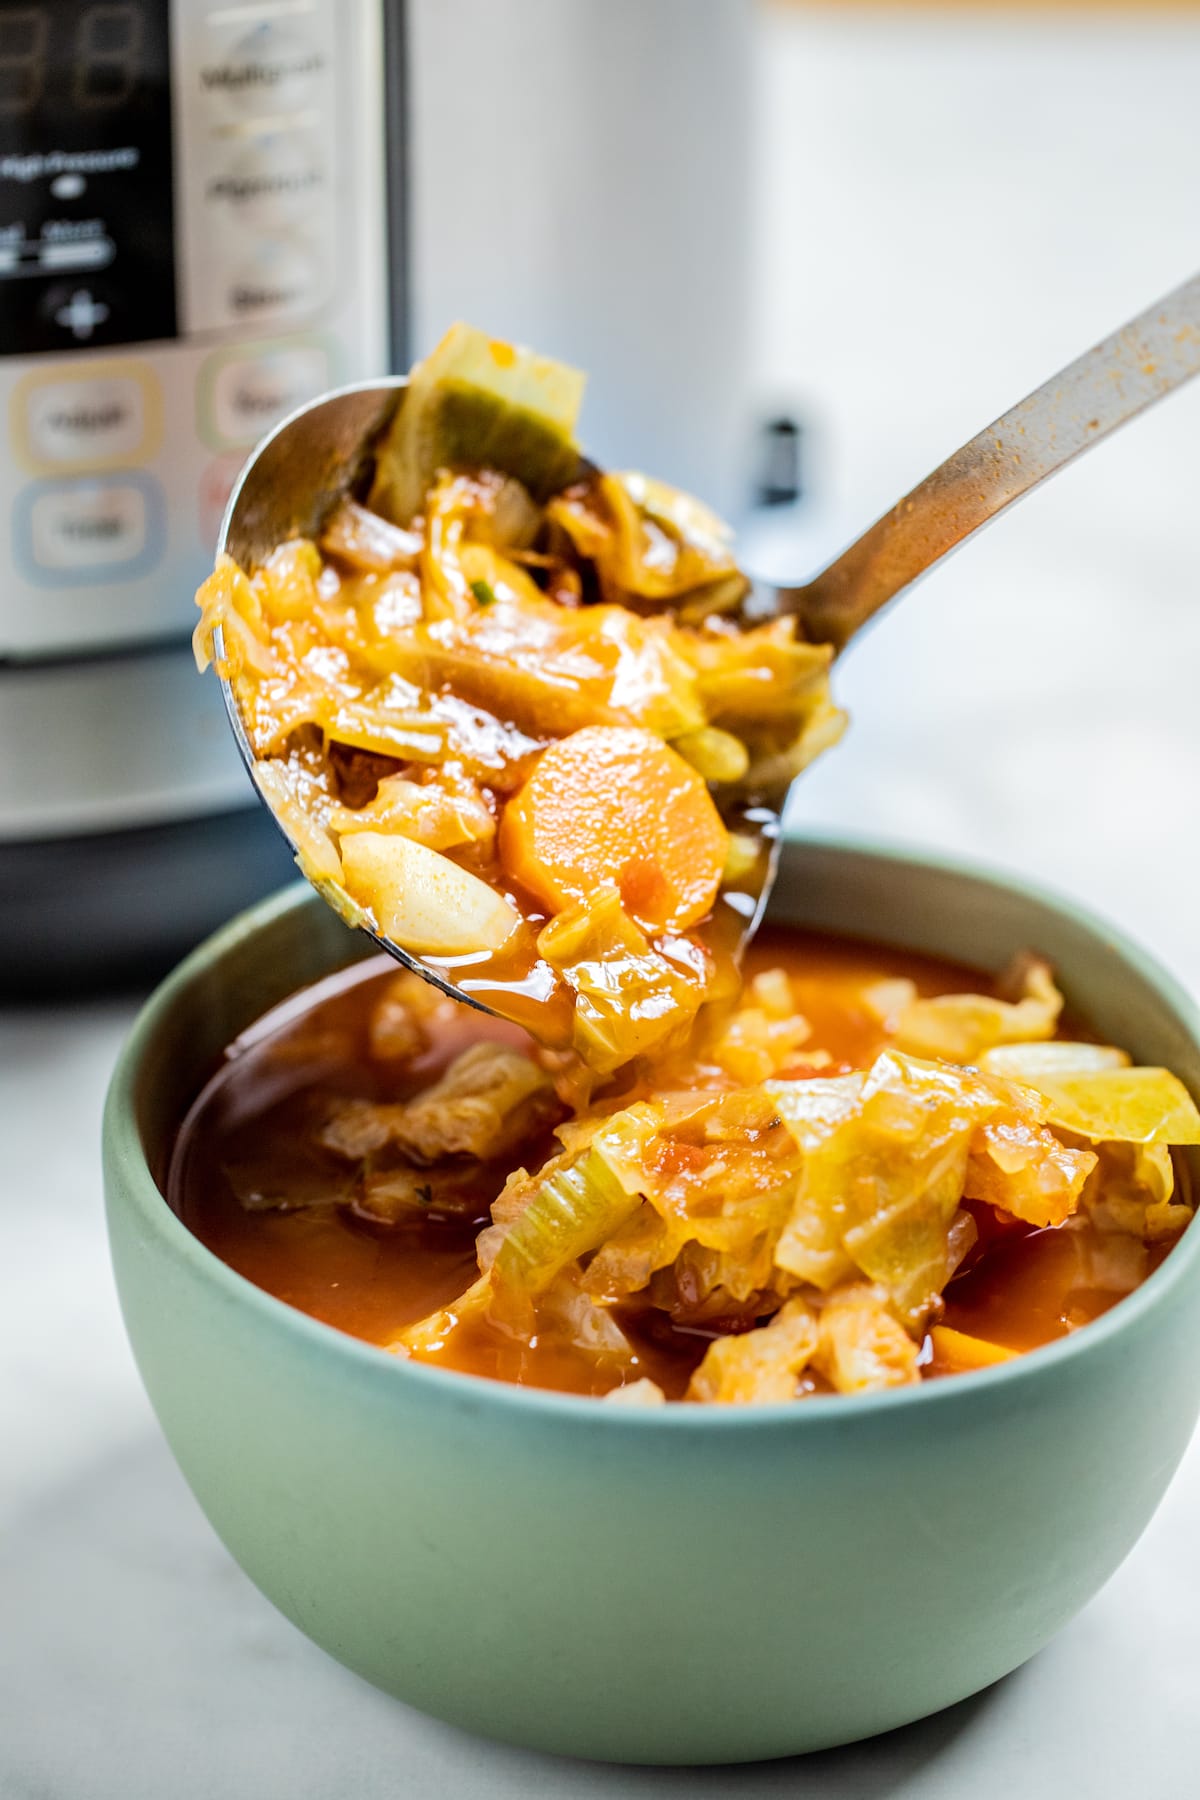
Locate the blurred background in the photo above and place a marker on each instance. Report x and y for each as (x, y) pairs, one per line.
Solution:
(953, 201)
(804, 251)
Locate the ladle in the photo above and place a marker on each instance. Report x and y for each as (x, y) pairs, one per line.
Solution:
(303, 467)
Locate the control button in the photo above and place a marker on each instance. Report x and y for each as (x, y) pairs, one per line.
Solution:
(79, 421)
(272, 68)
(96, 524)
(279, 281)
(274, 183)
(89, 530)
(79, 254)
(89, 414)
(252, 391)
(76, 309)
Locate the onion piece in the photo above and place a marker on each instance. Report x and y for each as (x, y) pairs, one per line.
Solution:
(422, 900)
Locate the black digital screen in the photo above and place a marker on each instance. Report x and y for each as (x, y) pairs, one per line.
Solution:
(87, 252)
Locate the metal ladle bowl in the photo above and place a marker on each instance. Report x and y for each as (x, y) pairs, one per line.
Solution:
(287, 489)
(319, 453)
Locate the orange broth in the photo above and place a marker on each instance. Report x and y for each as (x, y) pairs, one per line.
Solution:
(254, 1127)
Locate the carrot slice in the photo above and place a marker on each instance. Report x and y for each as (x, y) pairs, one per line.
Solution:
(613, 806)
(960, 1350)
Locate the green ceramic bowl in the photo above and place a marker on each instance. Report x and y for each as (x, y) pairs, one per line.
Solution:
(694, 1585)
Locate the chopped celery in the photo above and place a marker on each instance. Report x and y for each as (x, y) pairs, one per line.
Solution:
(575, 1209)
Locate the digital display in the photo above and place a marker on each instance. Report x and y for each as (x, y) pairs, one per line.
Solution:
(86, 208)
(105, 56)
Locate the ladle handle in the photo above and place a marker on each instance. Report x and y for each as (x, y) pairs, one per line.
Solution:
(1114, 381)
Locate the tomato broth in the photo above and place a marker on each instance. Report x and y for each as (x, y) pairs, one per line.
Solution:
(249, 1175)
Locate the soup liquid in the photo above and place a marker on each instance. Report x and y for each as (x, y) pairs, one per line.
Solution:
(253, 1132)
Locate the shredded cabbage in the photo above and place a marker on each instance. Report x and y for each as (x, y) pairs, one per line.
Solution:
(442, 813)
(889, 1157)
(630, 997)
(861, 1346)
(429, 1336)
(962, 1027)
(762, 1037)
(639, 1247)
(367, 541)
(408, 1193)
(564, 1308)
(717, 755)
(1026, 1062)
(757, 1367)
(406, 1017)
(1114, 1105)
(1018, 1166)
(490, 1100)
(290, 792)
(1132, 1193)
(650, 541)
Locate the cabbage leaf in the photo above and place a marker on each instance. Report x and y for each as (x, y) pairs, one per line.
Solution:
(630, 997)
(475, 402)
(754, 1368)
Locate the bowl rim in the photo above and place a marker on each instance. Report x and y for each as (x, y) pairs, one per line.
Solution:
(137, 1189)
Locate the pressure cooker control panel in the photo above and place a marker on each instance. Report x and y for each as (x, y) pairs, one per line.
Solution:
(192, 242)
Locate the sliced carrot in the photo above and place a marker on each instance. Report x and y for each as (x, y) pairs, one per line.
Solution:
(960, 1350)
(613, 806)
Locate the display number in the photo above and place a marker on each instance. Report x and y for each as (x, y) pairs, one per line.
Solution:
(23, 36)
(105, 58)
(108, 47)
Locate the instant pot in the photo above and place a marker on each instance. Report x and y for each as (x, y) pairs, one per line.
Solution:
(212, 210)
